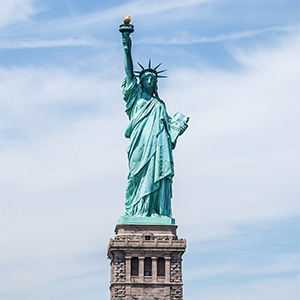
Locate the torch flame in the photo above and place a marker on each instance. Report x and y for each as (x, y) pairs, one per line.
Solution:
(127, 19)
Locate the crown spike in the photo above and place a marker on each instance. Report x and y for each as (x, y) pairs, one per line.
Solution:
(157, 66)
(162, 71)
(150, 70)
(140, 65)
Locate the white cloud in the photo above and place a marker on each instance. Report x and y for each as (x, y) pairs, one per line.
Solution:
(14, 11)
(183, 37)
(138, 9)
(102, 20)
(267, 289)
(239, 154)
(46, 43)
(278, 265)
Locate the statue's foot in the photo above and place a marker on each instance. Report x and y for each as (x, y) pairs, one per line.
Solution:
(155, 215)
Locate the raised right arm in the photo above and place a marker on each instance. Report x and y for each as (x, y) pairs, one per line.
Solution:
(128, 58)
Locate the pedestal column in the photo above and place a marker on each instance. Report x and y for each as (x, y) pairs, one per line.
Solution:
(128, 267)
(154, 269)
(141, 268)
(167, 268)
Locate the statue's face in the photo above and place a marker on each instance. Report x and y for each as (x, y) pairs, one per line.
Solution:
(148, 82)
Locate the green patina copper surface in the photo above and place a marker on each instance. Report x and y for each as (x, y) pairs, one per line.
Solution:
(164, 220)
(152, 135)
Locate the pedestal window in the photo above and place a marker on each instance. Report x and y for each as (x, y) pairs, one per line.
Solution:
(134, 266)
(148, 266)
(161, 267)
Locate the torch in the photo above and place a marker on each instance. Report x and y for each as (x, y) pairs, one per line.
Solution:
(126, 26)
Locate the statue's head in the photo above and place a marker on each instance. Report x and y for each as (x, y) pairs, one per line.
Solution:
(149, 82)
(149, 76)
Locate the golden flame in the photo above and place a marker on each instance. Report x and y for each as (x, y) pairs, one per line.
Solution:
(127, 19)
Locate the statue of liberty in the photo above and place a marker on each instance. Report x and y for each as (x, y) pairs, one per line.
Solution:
(152, 135)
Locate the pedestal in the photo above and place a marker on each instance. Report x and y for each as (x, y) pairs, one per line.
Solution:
(146, 262)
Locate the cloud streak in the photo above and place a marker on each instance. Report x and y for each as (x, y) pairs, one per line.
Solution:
(15, 11)
(9, 44)
(185, 38)
(268, 289)
(108, 16)
(287, 263)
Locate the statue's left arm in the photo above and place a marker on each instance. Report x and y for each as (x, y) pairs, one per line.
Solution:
(177, 126)
(183, 128)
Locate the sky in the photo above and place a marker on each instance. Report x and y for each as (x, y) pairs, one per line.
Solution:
(233, 68)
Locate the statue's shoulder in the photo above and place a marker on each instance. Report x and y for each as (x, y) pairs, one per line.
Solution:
(129, 86)
(161, 101)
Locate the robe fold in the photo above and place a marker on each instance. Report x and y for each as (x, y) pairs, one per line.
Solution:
(150, 158)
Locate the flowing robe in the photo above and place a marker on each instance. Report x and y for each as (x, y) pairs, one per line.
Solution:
(149, 188)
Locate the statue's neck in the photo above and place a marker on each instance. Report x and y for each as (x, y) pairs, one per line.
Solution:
(147, 95)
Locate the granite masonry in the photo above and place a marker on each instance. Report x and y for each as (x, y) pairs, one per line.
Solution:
(146, 263)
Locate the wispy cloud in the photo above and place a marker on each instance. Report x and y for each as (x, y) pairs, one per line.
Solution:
(185, 38)
(265, 289)
(136, 8)
(247, 119)
(9, 44)
(278, 265)
(14, 11)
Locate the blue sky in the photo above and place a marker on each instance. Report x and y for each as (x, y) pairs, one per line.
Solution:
(233, 67)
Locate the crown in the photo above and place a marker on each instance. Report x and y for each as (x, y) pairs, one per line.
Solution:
(150, 70)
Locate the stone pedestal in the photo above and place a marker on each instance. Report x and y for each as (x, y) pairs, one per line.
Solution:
(146, 263)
